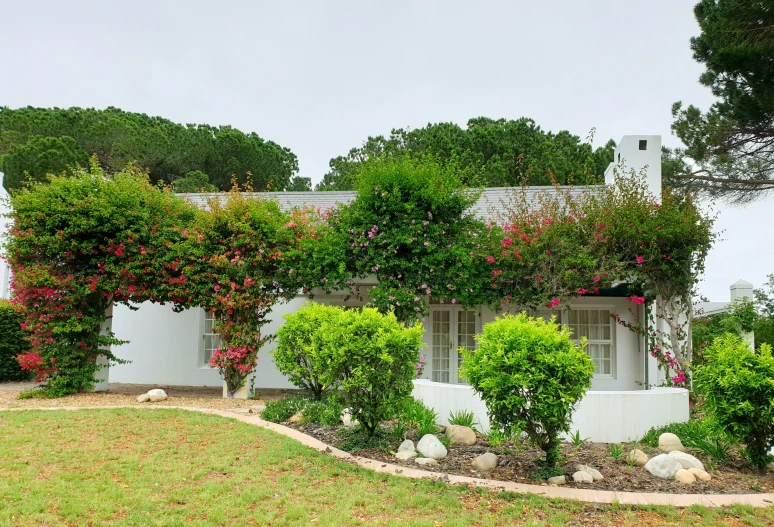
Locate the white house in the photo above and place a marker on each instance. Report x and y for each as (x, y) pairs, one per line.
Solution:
(168, 348)
(741, 289)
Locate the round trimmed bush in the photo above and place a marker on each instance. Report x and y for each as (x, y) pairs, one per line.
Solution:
(738, 388)
(301, 352)
(531, 377)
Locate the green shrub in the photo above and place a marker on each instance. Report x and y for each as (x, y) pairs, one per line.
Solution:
(325, 411)
(13, 342)
(531, 377)
(412, 413)
(738, 387)
(283, 409)
(690, 432)
(463, 418)
(301, 354)
(375, 356)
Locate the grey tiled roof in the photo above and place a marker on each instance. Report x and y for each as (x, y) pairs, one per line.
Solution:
(491, 202)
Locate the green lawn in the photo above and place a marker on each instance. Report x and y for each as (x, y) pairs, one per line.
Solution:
(170, 467)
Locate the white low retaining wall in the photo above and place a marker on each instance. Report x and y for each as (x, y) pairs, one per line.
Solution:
(605, 417)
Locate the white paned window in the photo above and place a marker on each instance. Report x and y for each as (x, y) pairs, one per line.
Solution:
(594, 324)
(211, 339)
(441, 345)
(597, 326)
(466, 331)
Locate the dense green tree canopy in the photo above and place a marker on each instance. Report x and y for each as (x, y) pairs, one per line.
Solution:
(491, 153)
(40, 156)
(167, 150)
(731, 146)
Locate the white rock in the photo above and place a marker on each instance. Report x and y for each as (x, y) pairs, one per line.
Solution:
(430, 446)
(669, 443)
(144, 398)
(637, 457)
(405, 455)
(461, 435)
(296, 417)
(597, 475)
(406, 446)
(582, 477)
(685, 477)
(557, 480)
(700, 474)
(686, 460)
(663, 466)
(425, 461)
(346, 418)
(485, 462)
(156, 395)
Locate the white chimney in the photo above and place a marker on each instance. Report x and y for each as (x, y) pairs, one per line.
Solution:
(641, 153)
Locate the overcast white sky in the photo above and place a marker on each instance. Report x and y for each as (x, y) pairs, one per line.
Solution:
(320, 77)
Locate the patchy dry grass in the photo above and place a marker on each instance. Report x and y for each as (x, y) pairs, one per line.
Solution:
(175, 468)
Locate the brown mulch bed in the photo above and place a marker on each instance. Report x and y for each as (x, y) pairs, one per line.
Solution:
(518, 463)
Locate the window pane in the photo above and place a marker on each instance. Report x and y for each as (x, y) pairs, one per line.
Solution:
(440, 345)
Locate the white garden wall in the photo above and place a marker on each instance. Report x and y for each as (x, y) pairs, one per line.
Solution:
(602, 416)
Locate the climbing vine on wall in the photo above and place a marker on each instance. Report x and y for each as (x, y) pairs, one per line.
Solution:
(83, 243)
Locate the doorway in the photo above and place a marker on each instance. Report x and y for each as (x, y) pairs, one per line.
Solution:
(451, 328)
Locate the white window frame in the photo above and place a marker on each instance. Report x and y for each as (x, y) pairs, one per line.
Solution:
(454, 358)
(563, 317)
(204, 362)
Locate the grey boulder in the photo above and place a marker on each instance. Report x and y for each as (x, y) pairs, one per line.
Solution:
(461, 435)
(663, 466)
(485, 462)
(430, 446)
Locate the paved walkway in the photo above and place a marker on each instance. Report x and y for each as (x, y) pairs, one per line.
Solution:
(214, 392)
(585, 495)
(17, 386)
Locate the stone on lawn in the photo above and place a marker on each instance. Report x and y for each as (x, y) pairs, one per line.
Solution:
(669, 443)
(406, 446)
(461, 435)
(700, 474)
(430, 446)
(582, 477)
(143, 398)
(663, 466)
(685, 477)
(425, 461)
(485, 462)
(686, 460)
(637, 457)
(405, 455)
(296, 417)
(157, 395)
(557, 480)
(597, 475)
(346, 418)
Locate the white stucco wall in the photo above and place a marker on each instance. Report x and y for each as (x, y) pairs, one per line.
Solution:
(166, 347)
(602, 416)
(5, 208)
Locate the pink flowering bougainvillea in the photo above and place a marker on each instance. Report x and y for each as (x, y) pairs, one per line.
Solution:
(81, 244)
(566, 243)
